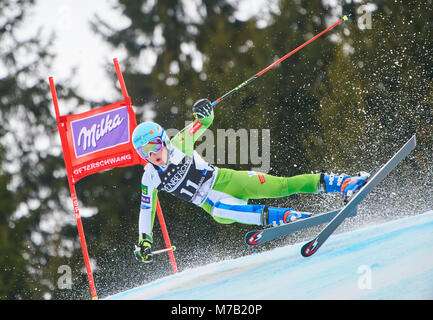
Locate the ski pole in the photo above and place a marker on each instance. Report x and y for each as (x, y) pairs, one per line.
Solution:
(258, 74)
(164, 250)
(197, 124)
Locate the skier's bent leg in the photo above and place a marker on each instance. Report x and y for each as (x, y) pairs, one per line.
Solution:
(246, 214)
(228, 200)
(254, 214)
(226, 209)
(255, 185)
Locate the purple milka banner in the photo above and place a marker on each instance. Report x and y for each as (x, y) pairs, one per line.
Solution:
(100, 132)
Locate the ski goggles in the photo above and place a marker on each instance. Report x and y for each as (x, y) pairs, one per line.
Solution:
(154, 145)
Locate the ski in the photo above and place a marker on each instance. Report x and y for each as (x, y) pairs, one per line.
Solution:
(312, 246)
(258, 237)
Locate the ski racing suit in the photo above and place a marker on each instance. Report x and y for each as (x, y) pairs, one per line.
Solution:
(223, 193)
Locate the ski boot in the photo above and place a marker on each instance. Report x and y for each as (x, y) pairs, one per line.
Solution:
(345, 184)
(276, 216)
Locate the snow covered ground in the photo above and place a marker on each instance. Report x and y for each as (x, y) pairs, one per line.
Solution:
(393, 260)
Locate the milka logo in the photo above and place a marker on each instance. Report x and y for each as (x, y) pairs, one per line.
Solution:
(97, 131)
(101, 131)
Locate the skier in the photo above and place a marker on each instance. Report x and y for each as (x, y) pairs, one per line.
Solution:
(175, 167)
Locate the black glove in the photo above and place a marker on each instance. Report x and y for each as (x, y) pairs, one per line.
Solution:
(202, 109)
(143, 251)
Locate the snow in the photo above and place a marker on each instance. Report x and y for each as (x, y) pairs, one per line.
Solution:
(393, 260)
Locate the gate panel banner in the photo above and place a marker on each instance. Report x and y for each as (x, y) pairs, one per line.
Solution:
(100, 139)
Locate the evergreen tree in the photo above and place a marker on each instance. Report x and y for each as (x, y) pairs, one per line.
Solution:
(377, 91)
(32, 178)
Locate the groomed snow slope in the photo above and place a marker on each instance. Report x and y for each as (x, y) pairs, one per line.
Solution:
(393, 260)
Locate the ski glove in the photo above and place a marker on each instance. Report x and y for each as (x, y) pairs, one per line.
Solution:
(143, 251)
(202, 109)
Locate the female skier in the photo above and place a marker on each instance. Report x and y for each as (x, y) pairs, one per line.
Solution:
(175, 167)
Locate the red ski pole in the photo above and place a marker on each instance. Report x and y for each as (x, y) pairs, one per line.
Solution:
(258, 74)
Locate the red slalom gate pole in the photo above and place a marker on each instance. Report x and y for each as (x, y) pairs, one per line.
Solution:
(61, 128)
(197, 124)
(83, 242)
(166, 237)
(169, 248)
(121, 81)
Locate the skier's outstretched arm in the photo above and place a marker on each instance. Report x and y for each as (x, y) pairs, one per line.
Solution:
(204, 116)
(143, 251)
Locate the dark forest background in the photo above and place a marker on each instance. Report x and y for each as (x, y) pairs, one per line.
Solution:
(344, 103)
